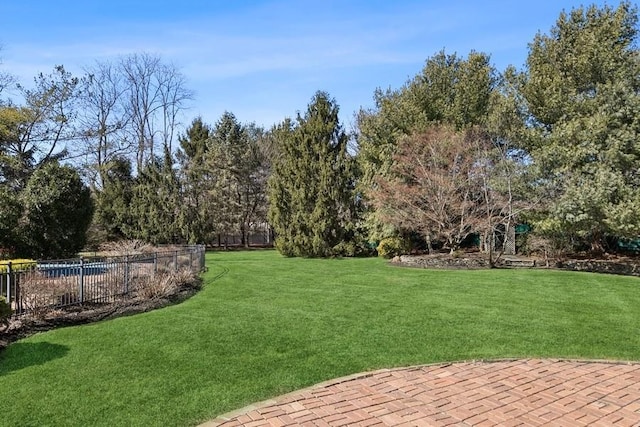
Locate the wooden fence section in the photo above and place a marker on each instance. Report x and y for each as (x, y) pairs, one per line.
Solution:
(60, 283)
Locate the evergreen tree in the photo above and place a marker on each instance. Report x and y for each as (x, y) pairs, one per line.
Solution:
(57, 213)
(582, 90)
(196, 220)
(112, 218)
(253, 182)
(10, 213)
(193, 144)
(156, 203)
(450, 90)
(34, 188)
(224, 161)
(223, 178)
(310, 189)
(235, 168)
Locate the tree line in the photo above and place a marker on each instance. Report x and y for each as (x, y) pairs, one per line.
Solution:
(465, 149)
(461, 149)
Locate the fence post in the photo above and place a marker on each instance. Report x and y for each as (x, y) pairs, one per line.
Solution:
(126, 274)
(191, 259)
(81, 281)
(17, 297)
(175, 261)
(155, 262)
(9, 274)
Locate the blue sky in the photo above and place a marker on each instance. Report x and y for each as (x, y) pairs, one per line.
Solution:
(263, 60)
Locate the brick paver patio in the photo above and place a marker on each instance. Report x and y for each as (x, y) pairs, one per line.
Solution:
(503, 393)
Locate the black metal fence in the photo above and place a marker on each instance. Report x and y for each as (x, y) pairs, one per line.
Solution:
(59, 283)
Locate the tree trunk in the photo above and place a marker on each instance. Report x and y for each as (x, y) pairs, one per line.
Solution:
(244, 238)
(492, 262)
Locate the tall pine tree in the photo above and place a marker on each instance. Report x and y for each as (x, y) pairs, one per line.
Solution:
(156, 203)
(310, 189)
(582, 91)
(196, 219)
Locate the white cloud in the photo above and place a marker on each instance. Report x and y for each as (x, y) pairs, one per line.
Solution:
(247, 57)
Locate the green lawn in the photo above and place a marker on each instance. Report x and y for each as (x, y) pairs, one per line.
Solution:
(268, 325)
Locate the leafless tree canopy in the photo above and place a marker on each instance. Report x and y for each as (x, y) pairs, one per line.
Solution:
(432, 188)
(130, 108)
(446, 184)
(156, 94)
(104, 118)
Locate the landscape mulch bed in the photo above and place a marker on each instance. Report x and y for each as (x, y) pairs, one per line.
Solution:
(607, 263)
(23, 326)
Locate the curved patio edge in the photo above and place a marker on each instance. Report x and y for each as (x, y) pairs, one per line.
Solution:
(487, 392)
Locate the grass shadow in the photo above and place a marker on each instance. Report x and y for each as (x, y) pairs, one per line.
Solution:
(22, 355)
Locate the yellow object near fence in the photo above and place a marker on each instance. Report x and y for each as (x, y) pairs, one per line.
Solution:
(17, 264)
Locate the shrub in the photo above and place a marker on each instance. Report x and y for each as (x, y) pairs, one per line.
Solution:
(57, 210)
(5, 311)
(393, 246)
(457, 254)
(17, 264)
(353, 248)
(126, 247)
(40, 293)
(163, 283)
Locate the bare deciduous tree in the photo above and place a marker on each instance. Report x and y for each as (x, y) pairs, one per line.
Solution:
(157, 93)
(434, 187)
(130, 109)
(104, 119)
(173, 97)
(6, 79)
